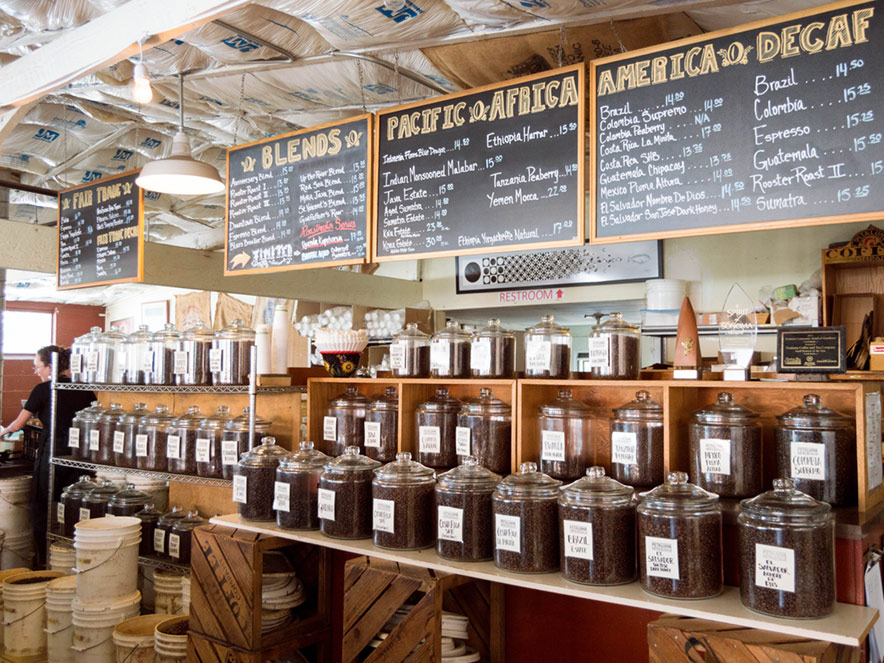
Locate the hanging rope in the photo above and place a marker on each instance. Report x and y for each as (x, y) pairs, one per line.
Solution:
(239, 112)
(623, 48)
(398, 78)
(561, 44)
(361, 84)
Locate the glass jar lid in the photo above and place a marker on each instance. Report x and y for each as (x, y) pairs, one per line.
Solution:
(266, 454)
(140, 335)
(725, 411)
(134, 415)
(548, 327)
(677, 495)
(528, 483)
(412, 335)
(351, 399)
(130, 495)
(492, 330)
(785, 505)
(149, 513)
(83, 486)
(596, 490)
(173, 515)
(351, 461)
(190, 420)
(643, 408)
(102, 492)
(565, 406)
(813, 414)
(168, 334)
(441, 402)
(217, 420)
(187, 524)
(199, 332)
(404, 472)
(615, 324)
(389, 400)
(91, 413)
(161, 416)
(305, 459)
(452, 333)
(90, 337)
(237, 331)
(114, 413)
(241, 423)
(468, 477)
(112, 336)
(486, 403)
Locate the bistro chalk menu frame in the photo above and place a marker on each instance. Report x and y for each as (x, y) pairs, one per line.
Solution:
(499, 167)
(774, 124)
(300, 200)
(100, 233)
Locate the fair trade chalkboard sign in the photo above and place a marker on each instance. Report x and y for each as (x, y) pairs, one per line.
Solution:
(774, 124)
(495, 167)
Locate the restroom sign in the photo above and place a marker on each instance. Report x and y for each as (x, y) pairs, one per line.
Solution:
(522, 296)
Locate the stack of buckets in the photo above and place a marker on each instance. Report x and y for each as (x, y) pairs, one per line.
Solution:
(24, 614)
(15, 516)
(59, 627)
(107, 579)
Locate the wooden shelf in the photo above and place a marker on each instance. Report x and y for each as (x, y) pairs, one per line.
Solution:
(848, 624)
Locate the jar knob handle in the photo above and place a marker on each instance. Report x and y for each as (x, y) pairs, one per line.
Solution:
(595, 472)
(403, 457)
(469, 461)
(267, 441)
(783, 483)
(677, 478)
(527, 468)
(725, 397)
(306, 445)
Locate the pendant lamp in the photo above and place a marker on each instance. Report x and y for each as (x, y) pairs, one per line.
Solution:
(179, 173)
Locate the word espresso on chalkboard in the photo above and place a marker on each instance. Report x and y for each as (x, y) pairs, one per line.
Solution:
(775, 125)
(499, 166)
(299, 200)
(100, 238)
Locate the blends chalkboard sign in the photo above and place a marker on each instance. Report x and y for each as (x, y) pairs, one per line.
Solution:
(100, 233)
(499, 166)
(773, 125)
(300, 200)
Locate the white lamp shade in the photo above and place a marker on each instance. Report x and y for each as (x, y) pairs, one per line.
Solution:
(180, 174)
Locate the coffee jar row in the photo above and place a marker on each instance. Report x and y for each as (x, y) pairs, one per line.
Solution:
(593, 530)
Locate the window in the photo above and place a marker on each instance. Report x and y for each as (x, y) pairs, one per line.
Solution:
(25, 332)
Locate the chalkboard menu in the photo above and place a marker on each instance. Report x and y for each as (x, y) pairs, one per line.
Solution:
(100, 233)
(498, 166)
(777, 124)
(299, 200)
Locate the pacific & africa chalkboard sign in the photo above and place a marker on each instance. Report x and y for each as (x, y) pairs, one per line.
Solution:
(100, 233)
(498, 166)
(300, 200)
(774, 124)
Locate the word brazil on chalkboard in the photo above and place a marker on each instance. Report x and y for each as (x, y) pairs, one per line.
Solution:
(498, 166)
(776, 124)
(100, 238)
(300, 200)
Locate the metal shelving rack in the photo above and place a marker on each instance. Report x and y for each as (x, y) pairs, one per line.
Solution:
(151, 562)
(162, 476)
(170, 389)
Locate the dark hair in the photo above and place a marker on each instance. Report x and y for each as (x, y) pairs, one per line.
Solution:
(64, 356)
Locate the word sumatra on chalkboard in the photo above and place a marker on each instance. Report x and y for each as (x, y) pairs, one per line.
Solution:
(776, 124)
(100, 233)
(498, 166)
(299, 200)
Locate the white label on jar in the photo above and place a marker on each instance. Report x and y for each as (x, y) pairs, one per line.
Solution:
(159, 541)
(599, 353)
(715, 456)
(397, 356)
(462, 440)
(74, 437)
(326, 503)
(623, 448)
(552, 445)
(122, 360)
(174, 545)
(578, 539)
(92, 362)
(508, 533)
(281, 496)
(450, 525)
(873, 439)
(94, 437)
(329, 429)
(538, 355)
(382, 515)
(59, 512)
(216, 360)
(429, 440)
(808, 460)
(775, 567)
(373, 434)
(147, 362)
(661, 557)
(141, 445)
(203, 449)
(439, 354)
(77, 363)
(480, 355)
(173, 447)
(239, 489)
(119, 441)
(179, 362)
(228, 452)
(85, 514)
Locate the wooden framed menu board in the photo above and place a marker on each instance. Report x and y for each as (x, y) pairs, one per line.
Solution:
(775, 124)
(497, 166)
(300, 199)
(101, 233)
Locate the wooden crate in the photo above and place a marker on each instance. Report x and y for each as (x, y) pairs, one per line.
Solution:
(203, 649)
(686, 640)
(226, 576)
(375, 589)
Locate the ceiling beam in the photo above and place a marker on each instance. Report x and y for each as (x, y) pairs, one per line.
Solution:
(10, 119)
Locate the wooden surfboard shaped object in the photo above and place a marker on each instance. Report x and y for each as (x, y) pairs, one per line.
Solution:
(687, 341)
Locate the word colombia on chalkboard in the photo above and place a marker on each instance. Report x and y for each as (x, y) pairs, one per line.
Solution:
(774, 124)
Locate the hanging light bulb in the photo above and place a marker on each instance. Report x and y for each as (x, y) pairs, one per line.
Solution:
(141, 90)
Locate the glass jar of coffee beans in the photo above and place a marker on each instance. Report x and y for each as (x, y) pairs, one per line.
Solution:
(344, 500)
(410, 353)
(484, 430)
(436, 421)
(381, 439)
(637, 442)
(295, 494)
(235, 440)
(254, 479)
(450, 352)
(547, 350)
(402, 504)
(344, 423)
(493, 352)
(614, 350)
(463, 512)
(679, 540)
(565, 431)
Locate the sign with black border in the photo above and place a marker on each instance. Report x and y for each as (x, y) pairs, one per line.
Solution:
(812, 350)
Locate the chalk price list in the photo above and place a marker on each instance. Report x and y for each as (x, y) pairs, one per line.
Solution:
(78, 236)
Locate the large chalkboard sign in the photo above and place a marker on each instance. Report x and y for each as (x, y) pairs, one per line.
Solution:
(299, 200)
(100, 233)
(776, 124)
(498, 166)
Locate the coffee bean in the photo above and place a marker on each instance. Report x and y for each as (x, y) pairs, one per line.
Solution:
(490, 440)
(613, 545)
(559, 364)
(538, 539)
(415, 362)
(259, 492)
(838, 465)
(186, 461)
(353, 506)
(502, 364)
(744, 476)
(578, 447)
(623, 358)
(303, 501)
(647, 471)
(457, 364)
(413, 510)
(477, 526)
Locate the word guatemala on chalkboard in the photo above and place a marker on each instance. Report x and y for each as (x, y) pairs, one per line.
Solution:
(299, 200)
(775, 124)
(100, 233)
(498, 166)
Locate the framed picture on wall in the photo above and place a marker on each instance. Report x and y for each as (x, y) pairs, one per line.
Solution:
(155, 314)
(125, 325)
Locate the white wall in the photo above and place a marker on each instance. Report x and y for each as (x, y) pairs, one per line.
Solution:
(129, 304)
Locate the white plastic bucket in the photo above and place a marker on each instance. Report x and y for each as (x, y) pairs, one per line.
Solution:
(24, 611)
(664, 294)
(134, 638)
(158, 490)
(185, 596)
(18, 551)
(167, 592)
(59, 625)
(62, 557)
(8, 573)
(107, 558)
(94, 624)
(169, 647)
(15, 505)
(117, 478)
